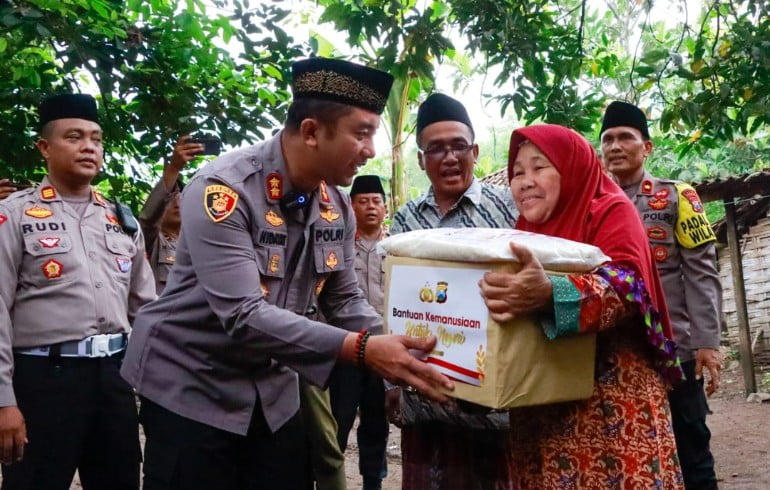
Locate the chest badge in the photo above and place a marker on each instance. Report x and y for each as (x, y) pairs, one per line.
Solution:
(52, 269)
(273, 219)
(49, 242)
(660, 253)
(329, 215)
(657, 233)
(124, 265)
(220, 202)
(274, 184)
(38, 212)
(275, 261)
(48, 192)
(659, 200)
(331, 260)
(112, 219)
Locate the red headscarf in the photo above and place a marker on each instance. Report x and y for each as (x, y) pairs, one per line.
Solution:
(591, 208)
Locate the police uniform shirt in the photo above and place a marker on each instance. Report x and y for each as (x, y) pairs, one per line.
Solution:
(682, 244)
(371, 276)
(161, 250)
(64, 277)
(233, 323)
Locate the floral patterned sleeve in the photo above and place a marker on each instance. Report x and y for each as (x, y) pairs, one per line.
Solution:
(583, 303)
(595, 301)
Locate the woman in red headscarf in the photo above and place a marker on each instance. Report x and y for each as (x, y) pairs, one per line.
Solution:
(621, 437)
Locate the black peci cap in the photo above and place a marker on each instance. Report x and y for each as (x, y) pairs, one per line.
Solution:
(341, 81)
(66, 106)
(440, 107)
(367, 184)
(621, 113)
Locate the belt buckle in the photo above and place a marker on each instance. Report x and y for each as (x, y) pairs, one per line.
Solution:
(100, 346)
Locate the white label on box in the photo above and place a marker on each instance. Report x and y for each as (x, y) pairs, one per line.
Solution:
(445, 302)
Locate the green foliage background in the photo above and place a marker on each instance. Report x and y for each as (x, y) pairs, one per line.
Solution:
(162, 68)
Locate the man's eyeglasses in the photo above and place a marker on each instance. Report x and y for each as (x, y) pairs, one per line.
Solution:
(439, 153)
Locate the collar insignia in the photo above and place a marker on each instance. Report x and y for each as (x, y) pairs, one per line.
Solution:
(274, 183)
(275, 260)
(324, 194)
(48, 192)
(647, 187)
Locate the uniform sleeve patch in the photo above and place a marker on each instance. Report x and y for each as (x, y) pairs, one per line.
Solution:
(219, 201)
(3, 219)
(692, 227)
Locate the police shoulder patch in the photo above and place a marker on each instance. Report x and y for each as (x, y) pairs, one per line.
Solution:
(219, 201)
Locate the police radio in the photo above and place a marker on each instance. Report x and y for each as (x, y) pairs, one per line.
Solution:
(294, 200)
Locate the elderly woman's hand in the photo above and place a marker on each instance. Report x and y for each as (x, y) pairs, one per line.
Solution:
(508, 295)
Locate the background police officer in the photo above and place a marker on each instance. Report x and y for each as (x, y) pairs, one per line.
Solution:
(160, 218)
(266, 243)
(353, 389)
(73, 278)
(682, 243)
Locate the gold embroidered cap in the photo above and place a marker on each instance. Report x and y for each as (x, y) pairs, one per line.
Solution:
(341, 81)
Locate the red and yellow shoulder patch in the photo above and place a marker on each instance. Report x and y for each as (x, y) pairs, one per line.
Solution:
(38, 212)
(48, 192)
(219, 201)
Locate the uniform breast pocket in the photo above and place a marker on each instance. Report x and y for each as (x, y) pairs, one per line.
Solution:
(329, 258)
(49, 260)
(119, 257)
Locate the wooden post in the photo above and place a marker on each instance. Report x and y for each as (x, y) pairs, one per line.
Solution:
(744, 334)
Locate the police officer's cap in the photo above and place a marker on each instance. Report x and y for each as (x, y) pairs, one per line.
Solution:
(341, 81)
(67, 106)
(440, 107)
(367, 184)
(621, 113)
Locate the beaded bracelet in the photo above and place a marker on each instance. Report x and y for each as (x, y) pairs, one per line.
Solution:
(363, 337)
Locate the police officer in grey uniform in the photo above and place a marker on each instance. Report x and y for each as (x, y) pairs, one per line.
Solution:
(267, 241)
(354, 390)
(682, 243)
(73, 276)
(160, 218)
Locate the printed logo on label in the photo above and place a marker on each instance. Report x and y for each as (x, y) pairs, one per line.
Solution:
(692, 196)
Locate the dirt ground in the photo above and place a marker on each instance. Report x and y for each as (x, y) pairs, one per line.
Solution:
(740, 441)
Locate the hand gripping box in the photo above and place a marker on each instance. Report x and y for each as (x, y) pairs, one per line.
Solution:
(431, 281)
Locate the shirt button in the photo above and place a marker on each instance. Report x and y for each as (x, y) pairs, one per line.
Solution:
(102, 320)
(91, 255)
(98, 285)
(312, 310)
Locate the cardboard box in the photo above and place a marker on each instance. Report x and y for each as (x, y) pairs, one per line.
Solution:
(498, 366)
